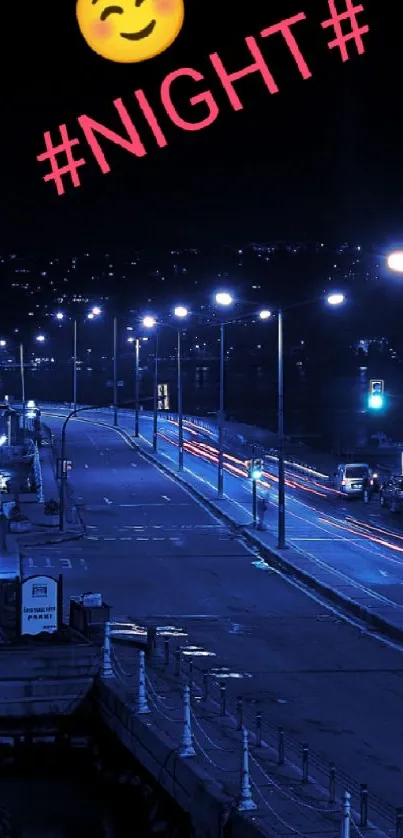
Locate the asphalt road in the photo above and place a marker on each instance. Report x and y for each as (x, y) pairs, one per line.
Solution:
(155, 552)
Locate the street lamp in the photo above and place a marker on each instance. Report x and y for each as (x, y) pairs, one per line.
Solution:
(224, 299)
(60, 316)
(3, 343)
(149, 323)
(265, 314)
(181, 312)
(136, 384)
(40, 338)
(395, 261)
(333, 299)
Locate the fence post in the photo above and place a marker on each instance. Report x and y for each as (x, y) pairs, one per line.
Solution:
(166, 652)
(142, 706)
(239, 713)
(186, 748)
(190, 672)
(259, 728)
(305, 763)
(223, 699)
(399, 823)
(205, 686)
(345, 819)
(245, 801)
(280, 746)
(178, 661)
(151, 639)
(106, 669)
(332, 783)
(363, 804)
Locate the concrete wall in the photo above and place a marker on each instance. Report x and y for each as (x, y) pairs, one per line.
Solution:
(206, 802)
(46, 680)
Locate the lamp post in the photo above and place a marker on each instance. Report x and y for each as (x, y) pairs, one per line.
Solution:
(181, 312)
(335, 299)
(60, 316)
(115, 371)
(222, 298)
(137, 389)
(22, 375)
(136, 342)
(149, 323)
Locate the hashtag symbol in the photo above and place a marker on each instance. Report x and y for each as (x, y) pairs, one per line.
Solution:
(336, 21)
(52, 153)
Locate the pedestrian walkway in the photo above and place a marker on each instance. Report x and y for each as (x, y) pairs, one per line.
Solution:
(285, 790)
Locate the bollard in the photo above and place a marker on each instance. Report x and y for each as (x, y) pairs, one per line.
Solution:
(106, 670)
(332, 783)
(223, 699)
(142, 706)
(239, 713)
(205, 686)
(186, 748)
(280, 746)
(305, 763)
(166, 652)
(245, 801)
(259, 728)
(345, 818)
(363, 804)
(399, 823)
(178, 661)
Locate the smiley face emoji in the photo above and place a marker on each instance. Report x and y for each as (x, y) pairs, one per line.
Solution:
(128, 31)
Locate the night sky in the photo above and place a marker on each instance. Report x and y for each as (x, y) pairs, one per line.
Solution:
(323, 157)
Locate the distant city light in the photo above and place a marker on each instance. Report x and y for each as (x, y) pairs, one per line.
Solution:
(395, 261)
(181, 311)
(131, 340)
(3, 343)
(265, 314)
(40, 338)
(149, 322)
(96, 311)
(223, 298)
(59, 315)
(336, 299)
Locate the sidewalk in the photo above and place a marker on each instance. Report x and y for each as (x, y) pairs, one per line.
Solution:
(44, 527)
(289, 792)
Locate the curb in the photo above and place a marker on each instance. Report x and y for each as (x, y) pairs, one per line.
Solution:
(278, 562)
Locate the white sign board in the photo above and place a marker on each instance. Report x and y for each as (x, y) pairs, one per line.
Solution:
(39, 605)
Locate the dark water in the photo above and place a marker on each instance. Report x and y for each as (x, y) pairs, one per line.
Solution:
(92, 792)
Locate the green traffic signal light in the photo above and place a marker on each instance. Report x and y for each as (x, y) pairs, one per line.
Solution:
(376, 401)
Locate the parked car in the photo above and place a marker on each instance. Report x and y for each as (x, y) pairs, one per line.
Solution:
(391, 494)
(352, 479)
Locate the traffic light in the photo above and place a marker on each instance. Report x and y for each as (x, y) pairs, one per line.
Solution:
(376, 397)
(255, 469)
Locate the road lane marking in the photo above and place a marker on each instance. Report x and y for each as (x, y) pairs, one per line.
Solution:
(66, 563)
(108, 538)
(48, 563)
(141, 539)
(30, 562)
(165, 497)
(86, 465)
(158, 539)
(83, 564)
(124, 538)
(107, 500)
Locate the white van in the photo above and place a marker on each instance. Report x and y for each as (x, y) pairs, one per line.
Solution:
(352, 479)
